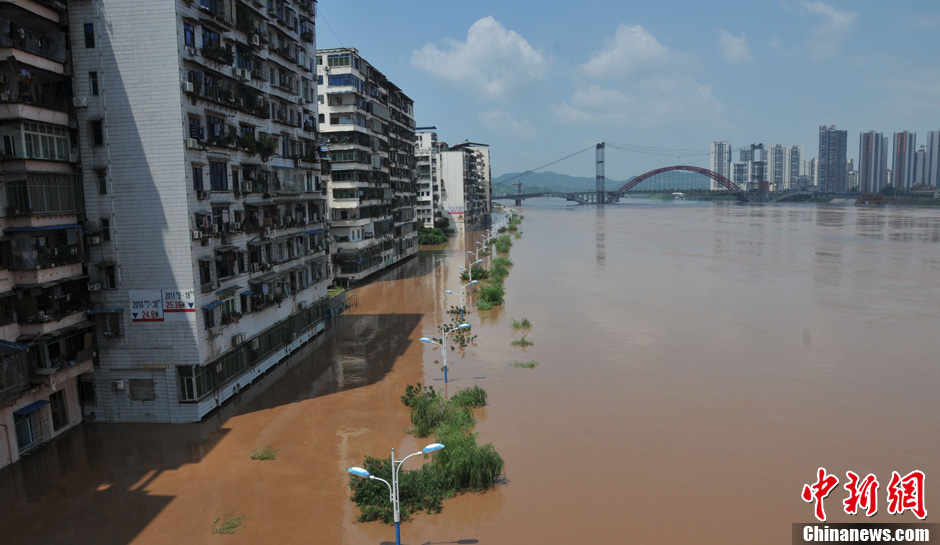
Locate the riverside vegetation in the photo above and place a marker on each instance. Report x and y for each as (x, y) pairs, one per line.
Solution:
(462, 466)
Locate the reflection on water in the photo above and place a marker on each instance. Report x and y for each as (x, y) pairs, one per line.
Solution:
(712, 356)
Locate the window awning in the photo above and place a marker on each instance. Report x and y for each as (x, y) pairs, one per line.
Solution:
(248, 292)
(225, 293)
(266, 277)
(6, 347)
(315, 231)
(51, 283)
(84, 324)
(211, 305)
(259, 242)
(226, 248)
(41, 228)
(34, 406)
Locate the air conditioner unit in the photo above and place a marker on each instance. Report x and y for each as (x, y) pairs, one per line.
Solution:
(215, 228)
(197, 235)
(202, 195)
(236, 226)
(207, 241)
(94, 286)
(80, 102)
(267, 233)
(218, 368)
(254, 344)
(301, 305)
(238, 339)
(255, 40)
(117, 384)
(188, 87)
(192, 143)
(255, 267)
(246, 187)
(94, 240)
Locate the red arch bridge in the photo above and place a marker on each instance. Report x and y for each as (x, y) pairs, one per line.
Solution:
(608, 197)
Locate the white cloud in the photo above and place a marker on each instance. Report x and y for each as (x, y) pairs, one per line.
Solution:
(733, 48)
(825, 40)
(499, 120)
(493, 61)
(631, 49)
(656, 101)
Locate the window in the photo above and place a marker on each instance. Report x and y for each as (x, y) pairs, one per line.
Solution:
(105, 229)
(110, 277)
(6, 316)
(86, 393)
(218, 176)
(187, 383)
(210, 38)
(189, 35)
(208, 317)
(205, 271)
(142, 389)
(89, 35)
(197, 178)
(97, 132)
(43, 141)
(60, 416)
(93, 83)
(101, 176)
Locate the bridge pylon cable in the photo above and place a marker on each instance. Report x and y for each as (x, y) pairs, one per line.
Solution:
(516, 177)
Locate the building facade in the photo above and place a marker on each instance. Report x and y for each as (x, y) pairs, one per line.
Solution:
(427, 171)
(720, 161)
(931, 176)
(832, 171)
(903, 152)
(368, 124)
(872, 162)
(206, 210)
(47, 347)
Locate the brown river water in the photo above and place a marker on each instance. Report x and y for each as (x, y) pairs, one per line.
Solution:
(696, 364)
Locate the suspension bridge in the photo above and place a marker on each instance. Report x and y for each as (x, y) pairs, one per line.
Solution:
(601, 195)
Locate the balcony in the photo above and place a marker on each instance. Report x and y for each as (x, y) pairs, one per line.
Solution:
(65, 370)
(51, 302)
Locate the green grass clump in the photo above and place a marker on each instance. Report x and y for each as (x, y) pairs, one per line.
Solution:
(479, 273)
(492, 293)
(527, 364)
(470, 397)
(484, 305)
(503, 243)
(523, 324)
(523, 342)
(462, 465)
(267, 452)
(228, 524)
(518, 235)
(504, 262)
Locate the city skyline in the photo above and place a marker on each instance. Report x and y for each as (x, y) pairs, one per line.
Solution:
(538, 89)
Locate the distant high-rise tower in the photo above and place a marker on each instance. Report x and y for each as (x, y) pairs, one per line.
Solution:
(721, 161)
(932, 159)
(832, 167)
(795, 156)
(920, 161)
(903, 151)
(872, 162)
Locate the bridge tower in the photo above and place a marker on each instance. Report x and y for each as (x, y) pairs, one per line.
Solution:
(601, 177)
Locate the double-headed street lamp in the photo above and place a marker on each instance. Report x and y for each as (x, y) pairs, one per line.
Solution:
(443, 344)
(393, 486)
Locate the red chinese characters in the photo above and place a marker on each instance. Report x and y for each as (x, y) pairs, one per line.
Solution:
(864, 494)
(818, 491)
(907, 492)
(903, 493)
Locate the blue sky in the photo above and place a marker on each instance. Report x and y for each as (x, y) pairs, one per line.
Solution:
(541, 80)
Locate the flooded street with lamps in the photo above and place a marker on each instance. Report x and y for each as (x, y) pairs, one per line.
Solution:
(696, 364)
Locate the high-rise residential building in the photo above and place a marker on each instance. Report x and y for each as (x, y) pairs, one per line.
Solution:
(368, 123)
(462, 195)
(872, 162)
(427, 170)
(932, 160)
(794, 170)
(720, 161)
(47, 346)
(903, 152)
(481, 191)
(205, 203)
(778, 167)
(920, 164)
(832, 166)
(754, 158)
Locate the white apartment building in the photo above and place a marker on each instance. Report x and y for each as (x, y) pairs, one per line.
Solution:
(720, 162)
(46, 336)
(368, 124)
(206, 210)
(427, 170)
(463, 196)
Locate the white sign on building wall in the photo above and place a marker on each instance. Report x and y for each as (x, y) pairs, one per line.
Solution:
(162, 305)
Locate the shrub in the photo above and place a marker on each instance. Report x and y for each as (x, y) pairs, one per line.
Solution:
(479, 273)
(503, 243)
(527, 364)
(267, 452)
(523, 342)
(431, 236)
(227, 524)
(470, 397)
(492, 293)
(524, 324)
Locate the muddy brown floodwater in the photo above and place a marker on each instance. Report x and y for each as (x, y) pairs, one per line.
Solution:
(696, 365)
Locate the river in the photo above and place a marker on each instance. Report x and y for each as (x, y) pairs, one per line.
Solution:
(696, 364)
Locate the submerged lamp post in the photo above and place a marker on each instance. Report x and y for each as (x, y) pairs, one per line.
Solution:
(393, 486)
(465, 286)
(443, 344)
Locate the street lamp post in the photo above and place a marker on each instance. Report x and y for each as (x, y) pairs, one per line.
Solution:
(443, 344)
(393, 486)
(463, 287)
